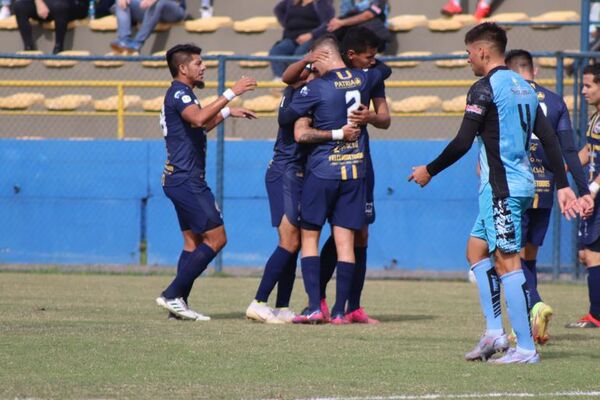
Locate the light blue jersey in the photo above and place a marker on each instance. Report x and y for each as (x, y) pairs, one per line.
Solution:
(506, 106)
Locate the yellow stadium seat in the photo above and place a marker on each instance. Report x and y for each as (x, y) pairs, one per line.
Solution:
(255, 24)
(266, 103)
(550, 62)
(112, 103)
(408, 64)
(256, 64)
(507, 17)
(405, 23)
(20, 101)
(211, 24)
(416, 104)
(19, 62)
(104, 24)
(154, 104)
(554, 16)
(109, 64)
(456, 104)
(453, 63)
(9, 24)
(69, 102)
(65, 63)
(445, 24)
(157, 64)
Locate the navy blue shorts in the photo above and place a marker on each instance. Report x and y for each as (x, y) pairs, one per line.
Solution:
(534, 225)
(284, 190)
(370, 182)
(341, 202)
(195, 205)
(589, 231)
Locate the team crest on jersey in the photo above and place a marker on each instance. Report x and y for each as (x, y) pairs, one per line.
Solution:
(596, 128)
(186, 99)
(541, 96)
(304, 91)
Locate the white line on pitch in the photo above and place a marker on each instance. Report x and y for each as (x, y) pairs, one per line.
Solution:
(465, 396)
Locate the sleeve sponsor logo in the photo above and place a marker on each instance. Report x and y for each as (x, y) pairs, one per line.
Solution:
(178, 94)
(474, 108)
(304, 91)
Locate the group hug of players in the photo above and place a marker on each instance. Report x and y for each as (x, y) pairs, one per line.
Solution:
(322, 172)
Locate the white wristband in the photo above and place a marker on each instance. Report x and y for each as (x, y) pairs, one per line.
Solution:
(225, 112)
(594, 187)
(337, 134)
(229, 94)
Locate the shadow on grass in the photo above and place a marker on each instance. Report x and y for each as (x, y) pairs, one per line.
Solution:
(403, 318)
(571, 337)
(230, 315)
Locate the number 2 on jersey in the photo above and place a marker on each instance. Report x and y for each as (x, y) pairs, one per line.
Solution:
(352, 101)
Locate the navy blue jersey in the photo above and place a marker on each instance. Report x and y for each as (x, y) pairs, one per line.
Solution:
(329, 100)
(556, 111)
(186, 145)
(593, 145)
(286, 151)
(506, 106)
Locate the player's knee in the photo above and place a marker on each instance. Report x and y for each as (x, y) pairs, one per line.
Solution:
(290, 244)
(216, 242)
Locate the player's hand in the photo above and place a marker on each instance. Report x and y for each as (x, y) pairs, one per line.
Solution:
(241, 112)
(420, 175)
(569, 206)
(317, 55)
(360, 116)
(42, 9)
(123, 4)
(334, 24)
(305, 37)
(144, 4)
(244, 85)
(587, 205)
(351, 132)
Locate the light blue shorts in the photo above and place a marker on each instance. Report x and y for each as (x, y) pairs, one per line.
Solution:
(499, 221)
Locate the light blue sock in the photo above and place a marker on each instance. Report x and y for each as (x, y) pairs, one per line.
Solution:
(515, 291)
(489, 294)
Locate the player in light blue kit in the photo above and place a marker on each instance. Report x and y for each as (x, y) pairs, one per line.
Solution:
(502, 110)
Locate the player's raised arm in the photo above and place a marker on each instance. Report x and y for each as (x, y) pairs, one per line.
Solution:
(305, 133)
(300, 70)
(205, 117)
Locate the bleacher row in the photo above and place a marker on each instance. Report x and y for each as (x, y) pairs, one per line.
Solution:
(264, 103)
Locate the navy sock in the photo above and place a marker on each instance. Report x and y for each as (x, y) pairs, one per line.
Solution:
(196, 263)
(286, 283)
(343, 280)
(310, 276)
(358, 280)
(489, 293)
(275, 266)
(530, 272)
(515, 293)
(594, 290)
(328, 261)
(183, 257)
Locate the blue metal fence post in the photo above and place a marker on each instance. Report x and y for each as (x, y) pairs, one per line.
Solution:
(220, 157)
(556, 225)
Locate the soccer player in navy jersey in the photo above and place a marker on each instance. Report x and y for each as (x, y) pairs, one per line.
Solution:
(284, 179)
(502, 110)
(359, 48)
(184, 124)
(589, 228)
(334, 187)
(534, 223)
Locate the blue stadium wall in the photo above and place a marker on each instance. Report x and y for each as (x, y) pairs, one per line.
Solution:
(92, 202)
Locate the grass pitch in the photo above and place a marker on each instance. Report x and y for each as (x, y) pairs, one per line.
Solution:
(69, 336)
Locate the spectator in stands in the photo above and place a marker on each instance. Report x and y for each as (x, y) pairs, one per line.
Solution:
(149, 13)
(104, 8)
(206, 8)
(453, 7)
(371, 14)
(303, 21)
(4, 9)
(59, 11)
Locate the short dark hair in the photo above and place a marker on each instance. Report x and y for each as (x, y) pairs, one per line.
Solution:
(359, 39)
(489, 32)
(180, 54)
(521, 56)
(328, 39)
(593, 69)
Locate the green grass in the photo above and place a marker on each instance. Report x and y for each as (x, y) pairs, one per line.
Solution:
(101, 336)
